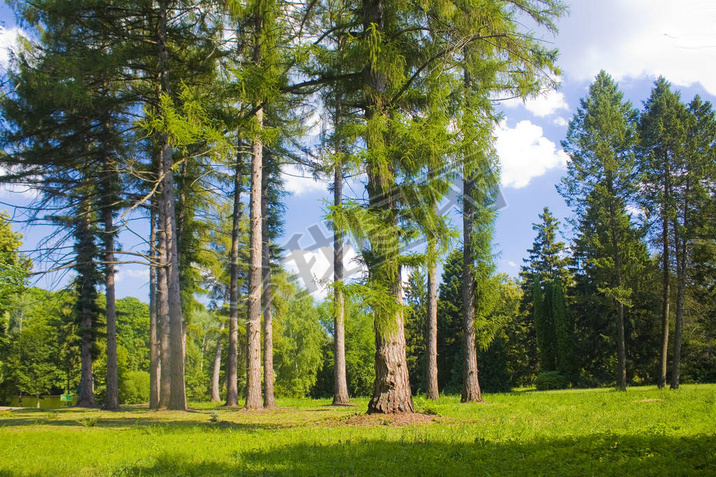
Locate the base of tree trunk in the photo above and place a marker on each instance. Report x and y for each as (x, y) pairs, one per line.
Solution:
(341, 401)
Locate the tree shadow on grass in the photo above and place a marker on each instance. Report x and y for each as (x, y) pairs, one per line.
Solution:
(603, 454)
(118, 419)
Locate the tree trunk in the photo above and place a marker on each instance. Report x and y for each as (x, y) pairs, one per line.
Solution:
(391, 389)
(681, 241)
(340, 383)
(621, 377)
(253, 323)
(112, 400)
(177, 397)
(269, 399)
(216, 371)
(470, 383)
(85, 397)
(666, 281)
(165, 384)
(431, 374)
(154, 357)
(232, 392)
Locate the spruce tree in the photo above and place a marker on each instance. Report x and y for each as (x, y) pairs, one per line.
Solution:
(599, 185)
(662, 133)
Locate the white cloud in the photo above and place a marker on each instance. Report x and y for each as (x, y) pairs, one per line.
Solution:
(512, 264)
(299, 182)
(8, 42)
(525, 153)
(546, 104)
(676, 39)
(132, 274)
(560, 121)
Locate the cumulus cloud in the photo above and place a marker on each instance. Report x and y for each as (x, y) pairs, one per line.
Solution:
(299, 182)
(676, 39)
(546, 104)
(8, 43)
(543, 105)
(525, 153)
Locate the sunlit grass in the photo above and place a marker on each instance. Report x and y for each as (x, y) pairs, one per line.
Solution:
(644, 431)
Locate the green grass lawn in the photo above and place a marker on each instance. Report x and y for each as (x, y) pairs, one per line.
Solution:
(583, 432)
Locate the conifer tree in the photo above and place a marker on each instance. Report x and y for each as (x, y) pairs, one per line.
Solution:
(599, 185)
(662, 133)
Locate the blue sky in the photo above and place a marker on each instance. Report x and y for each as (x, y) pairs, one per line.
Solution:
(635, 41)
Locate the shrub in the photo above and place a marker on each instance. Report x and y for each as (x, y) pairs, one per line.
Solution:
(134, 387)
(551, 380)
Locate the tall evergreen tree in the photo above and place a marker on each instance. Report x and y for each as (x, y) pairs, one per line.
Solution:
(599, 185)
(662, 132)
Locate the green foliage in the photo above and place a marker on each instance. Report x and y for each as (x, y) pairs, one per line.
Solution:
(360, 349)
(298, 346)
(14, 268)
(549, 380)
(134, 387)
(563, 331)
(32, 359)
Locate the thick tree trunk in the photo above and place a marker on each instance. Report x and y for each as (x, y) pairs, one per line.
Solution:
(470, 383)
(154, 356)
(253, 322)
(431, 374)
(340, 383)
(232, 392)
(266, 295)
(112, 400)
(391, 389)
(216, 371)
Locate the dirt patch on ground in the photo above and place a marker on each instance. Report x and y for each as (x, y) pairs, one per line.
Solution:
(649, 400)
(393, 420)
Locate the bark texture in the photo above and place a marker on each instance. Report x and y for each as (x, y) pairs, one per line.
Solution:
(253, 322)
(112, 400)
(154, 362)
(431, 374)
(177, 396)
(665, 284)
(470, 383)
(232, 392)
(216, 370)
(340, 383)
(266, 297)
(85, 397)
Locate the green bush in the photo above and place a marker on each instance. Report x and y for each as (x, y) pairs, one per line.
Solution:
(551, 380)
(134, 387)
